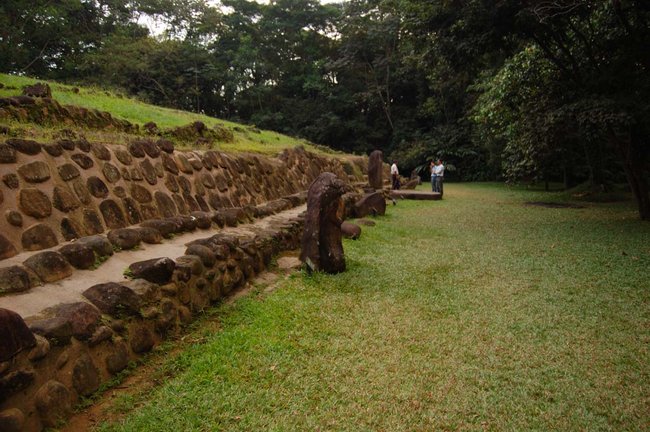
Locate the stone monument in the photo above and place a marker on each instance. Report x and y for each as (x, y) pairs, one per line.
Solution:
(375, 169)
(322, 248)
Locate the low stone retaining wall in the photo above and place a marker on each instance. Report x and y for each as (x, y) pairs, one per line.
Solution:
(74, 190)
(50, 362)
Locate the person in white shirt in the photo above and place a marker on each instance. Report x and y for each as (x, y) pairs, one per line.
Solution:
(394, 173)
(439, 172)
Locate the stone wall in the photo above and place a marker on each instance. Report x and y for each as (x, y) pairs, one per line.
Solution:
(50, 362)
(60, 191)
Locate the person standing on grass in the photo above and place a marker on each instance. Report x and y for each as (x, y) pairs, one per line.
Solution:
(394, 173)
(439, 170)
(432, 167)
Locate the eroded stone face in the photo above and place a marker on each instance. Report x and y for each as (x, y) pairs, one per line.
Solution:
(322, 247)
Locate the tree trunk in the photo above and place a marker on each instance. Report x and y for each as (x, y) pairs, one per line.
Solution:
(634, 171)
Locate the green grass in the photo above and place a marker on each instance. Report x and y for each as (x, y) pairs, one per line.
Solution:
(474, 313)
(246, 139)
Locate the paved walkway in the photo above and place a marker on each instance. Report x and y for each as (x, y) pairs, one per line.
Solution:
(69, 290)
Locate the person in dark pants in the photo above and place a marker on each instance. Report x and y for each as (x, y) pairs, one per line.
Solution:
(394, 173)
(439, 171)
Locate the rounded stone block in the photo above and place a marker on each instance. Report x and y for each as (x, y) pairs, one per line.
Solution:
(14, 279)
(165, 204)
(92, 223)
(165, 145)
(169, 163)
(184, 184)
(99, 244)
(49, 266)
(141, 339)
(113, 214)
(133, 214)
(81, 191)
(111, 172)
(68, 171)
(11, 180)
(79, 255)
(85, 376)
(38, 237)
(28, 147)
(149, 235)
(97, 187)
(80, 319)
(113, 299)
(14, 218)
(148, 171)
(53, 403)
(34, 203)
(136, 149)
(7, 249)
(7, 154)
(12, 420)
(16, 335)
(118, 359)
(41, 349)
(171, 183)
(64, 200)
(123, 156)
(125, 238)
(71, 229)
(100, 151)
(34, 172)
(140, 193)
(150, 148)
(156, 270)
(15, 382)
(82, 160)
(53, 149)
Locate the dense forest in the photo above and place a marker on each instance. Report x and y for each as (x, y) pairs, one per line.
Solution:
(500, 89)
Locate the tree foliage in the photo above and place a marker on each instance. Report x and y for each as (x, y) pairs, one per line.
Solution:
(534, 90)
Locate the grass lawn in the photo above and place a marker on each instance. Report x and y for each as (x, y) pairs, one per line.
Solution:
(474, 313)
(122, 107)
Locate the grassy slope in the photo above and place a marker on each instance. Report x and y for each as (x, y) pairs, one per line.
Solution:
(474, 313)
(140, 113)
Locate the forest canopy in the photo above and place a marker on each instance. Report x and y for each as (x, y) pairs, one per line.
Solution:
(500, 89)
